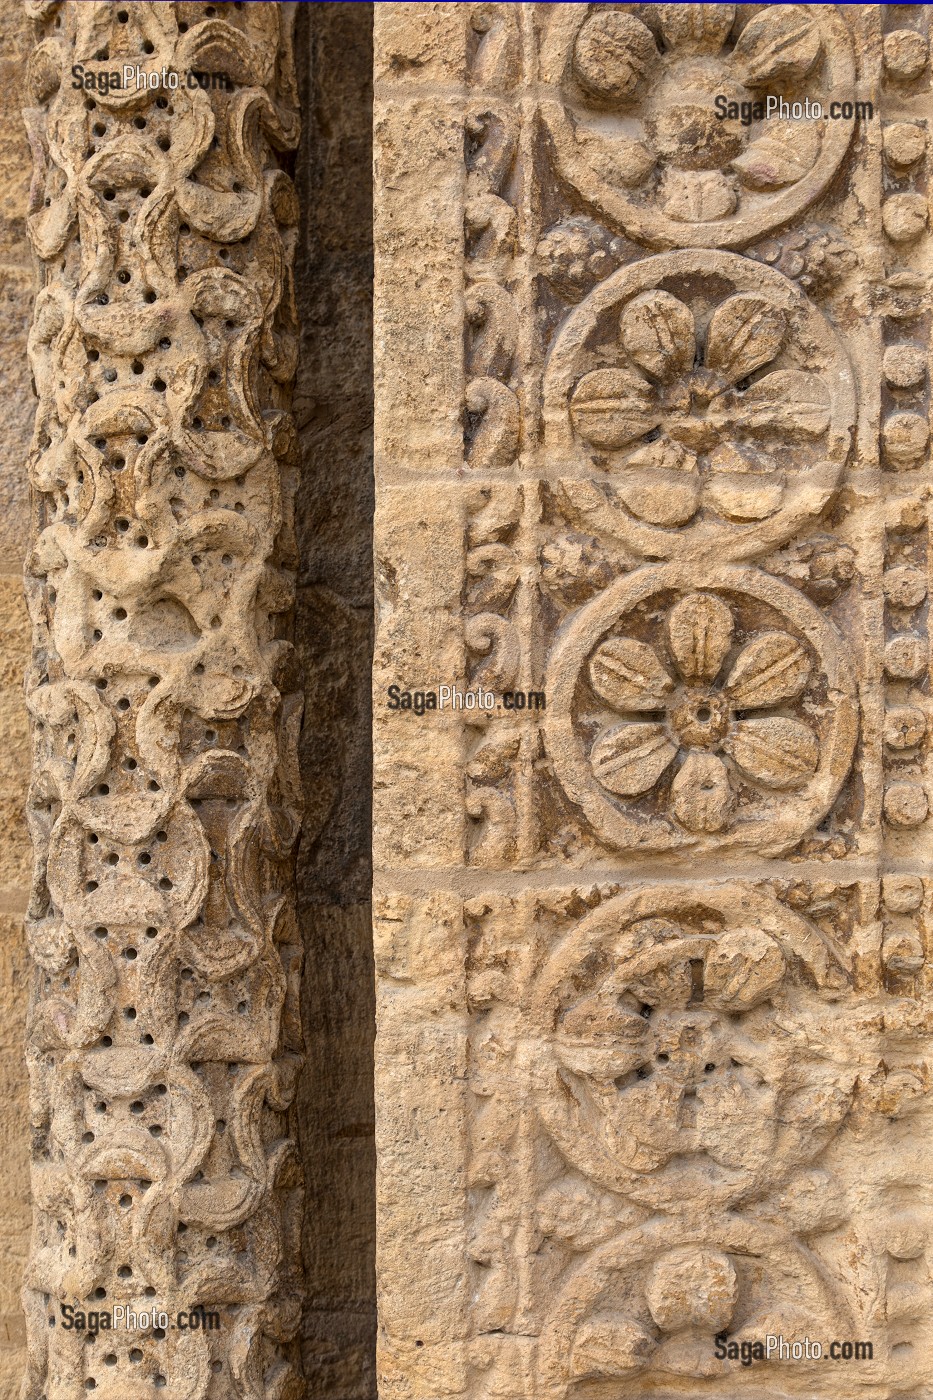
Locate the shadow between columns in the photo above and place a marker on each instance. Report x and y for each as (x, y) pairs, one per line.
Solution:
(334, 635)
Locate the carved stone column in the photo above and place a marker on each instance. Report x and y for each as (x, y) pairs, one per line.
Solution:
(653, 929)
(164, 1041)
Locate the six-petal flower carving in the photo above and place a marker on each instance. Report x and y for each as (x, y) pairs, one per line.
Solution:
(687, 702)
(685, 421)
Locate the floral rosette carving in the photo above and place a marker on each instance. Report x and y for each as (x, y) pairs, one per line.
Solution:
(680, 168)
(715, 398)
(667, 1074)
(710, 708)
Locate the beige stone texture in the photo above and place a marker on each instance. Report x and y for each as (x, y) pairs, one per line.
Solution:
(17, 285)
(653, 1059)
(164, 1027)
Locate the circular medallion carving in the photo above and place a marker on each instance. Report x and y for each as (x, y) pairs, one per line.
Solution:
(714, 396)
(660, 118)
(647, 1015)
(703, 706)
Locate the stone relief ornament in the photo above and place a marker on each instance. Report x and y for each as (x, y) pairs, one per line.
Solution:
(164, 1036)
(668, 1072)
(713, 395)
(712, 707)
(635, 127)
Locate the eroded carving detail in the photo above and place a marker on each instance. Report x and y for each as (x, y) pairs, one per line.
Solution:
(164, 1039)
(737, 710)
(679, 175)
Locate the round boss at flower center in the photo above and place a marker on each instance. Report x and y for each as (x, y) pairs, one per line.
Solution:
(700, 720)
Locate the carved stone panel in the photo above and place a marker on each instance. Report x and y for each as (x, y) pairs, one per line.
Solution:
(164, 1038)
(654, 923)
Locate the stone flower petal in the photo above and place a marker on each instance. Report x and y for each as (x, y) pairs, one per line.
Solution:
(629, 676)
(782, 155)
(658, 332)
(787, 401)
(612, 407)
(772, 668)
(698, 196)
(745, 332)
(780, 43)
(779, 752)
(613, 51)
(701, 798)
(695, 28)
(660, 483)
(743, 483)
(630, 758)
(699, 634)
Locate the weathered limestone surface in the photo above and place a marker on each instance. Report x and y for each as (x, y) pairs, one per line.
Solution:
(17, 285)
(164, 1029)
(652, 425)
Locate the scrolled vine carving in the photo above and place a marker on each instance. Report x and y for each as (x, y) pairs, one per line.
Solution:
(164, 1038)
(679, 172)
(714, 396)
(711, 707)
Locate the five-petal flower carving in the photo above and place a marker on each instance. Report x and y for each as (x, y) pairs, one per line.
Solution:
(687, 423)
(670, 67)
(718, 716)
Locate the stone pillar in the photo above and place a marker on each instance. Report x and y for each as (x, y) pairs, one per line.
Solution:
(652, 929)
(164, 1038)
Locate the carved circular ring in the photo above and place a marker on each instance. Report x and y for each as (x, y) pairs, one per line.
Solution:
(617, 1318)
(716, 399)
(661, 121)
(642, 1009)
(700, 706)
